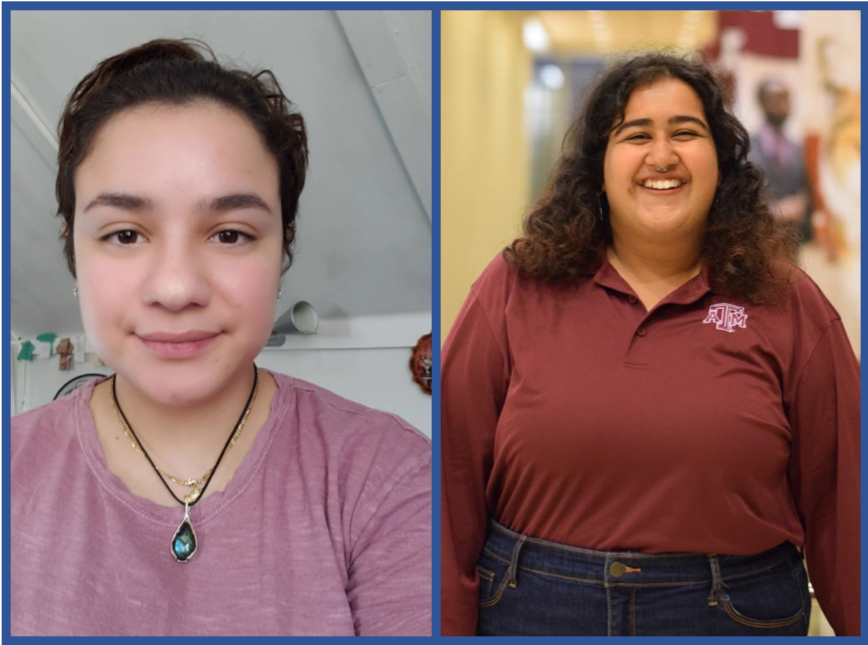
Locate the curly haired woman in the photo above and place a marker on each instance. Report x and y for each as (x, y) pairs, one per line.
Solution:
(649, 415)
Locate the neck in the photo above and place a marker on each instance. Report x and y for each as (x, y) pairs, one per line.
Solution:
(653, 261)
(185, 440)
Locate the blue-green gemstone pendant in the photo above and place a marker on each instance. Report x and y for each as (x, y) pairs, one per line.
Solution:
(184, 542)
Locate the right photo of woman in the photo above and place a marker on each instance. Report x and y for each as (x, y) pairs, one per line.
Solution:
(650, 379)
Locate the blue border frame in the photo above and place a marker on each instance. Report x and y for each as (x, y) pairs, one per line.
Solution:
(435, 322)
(435, 8)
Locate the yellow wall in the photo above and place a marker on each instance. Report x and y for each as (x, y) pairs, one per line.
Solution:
(485, 160)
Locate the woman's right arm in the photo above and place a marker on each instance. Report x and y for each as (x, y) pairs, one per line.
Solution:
(474, 381)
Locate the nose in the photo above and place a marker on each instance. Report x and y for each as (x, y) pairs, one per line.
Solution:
(177, 278)
(662, 154)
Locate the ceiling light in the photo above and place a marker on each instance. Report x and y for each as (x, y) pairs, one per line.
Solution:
(552, 77)
(535, 36)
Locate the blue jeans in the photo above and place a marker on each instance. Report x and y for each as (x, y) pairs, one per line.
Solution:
(531, 587)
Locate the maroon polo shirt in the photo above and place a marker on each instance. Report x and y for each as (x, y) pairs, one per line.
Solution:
(706, 425)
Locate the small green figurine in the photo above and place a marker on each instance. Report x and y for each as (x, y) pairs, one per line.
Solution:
(26, 353)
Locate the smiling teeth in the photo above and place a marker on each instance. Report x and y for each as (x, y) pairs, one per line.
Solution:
(661, 184)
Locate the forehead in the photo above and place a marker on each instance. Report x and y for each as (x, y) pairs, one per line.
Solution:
(663, 96)
(204, 146)
(198, 118)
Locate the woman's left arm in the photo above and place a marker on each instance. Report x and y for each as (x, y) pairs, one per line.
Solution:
(824, 411)
(389, 586)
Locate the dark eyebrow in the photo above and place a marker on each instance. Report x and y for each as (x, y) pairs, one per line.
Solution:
(125, 201)
(238, 201)
(680, 118)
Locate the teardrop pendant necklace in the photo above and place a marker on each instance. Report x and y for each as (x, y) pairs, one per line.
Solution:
(184, 541)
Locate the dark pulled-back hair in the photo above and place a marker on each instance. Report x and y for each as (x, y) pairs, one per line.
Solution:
(564, 234)
(179, 72)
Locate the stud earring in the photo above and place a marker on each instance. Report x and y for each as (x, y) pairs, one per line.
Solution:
(75, 292)
(279, 293)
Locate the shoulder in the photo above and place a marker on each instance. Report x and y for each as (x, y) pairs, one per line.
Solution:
(346, 427)
(366, 456)
(497, 275)
(502, 283)
(484, 312)
(798, 319)
(37, 417)
(802, 299)
(51, 422)
(47, 437)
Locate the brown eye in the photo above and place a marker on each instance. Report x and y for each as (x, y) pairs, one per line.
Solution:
(231, 237)
(228, 237)
(127, 237)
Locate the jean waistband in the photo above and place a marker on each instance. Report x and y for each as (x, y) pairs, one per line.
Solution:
(628, 567)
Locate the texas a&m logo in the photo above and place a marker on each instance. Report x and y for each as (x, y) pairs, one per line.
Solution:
(726, 317)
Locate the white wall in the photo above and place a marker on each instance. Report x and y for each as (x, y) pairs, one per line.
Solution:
(35, 383)
(376, 377)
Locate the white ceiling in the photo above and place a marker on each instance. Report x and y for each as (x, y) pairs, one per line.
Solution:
(362, 80)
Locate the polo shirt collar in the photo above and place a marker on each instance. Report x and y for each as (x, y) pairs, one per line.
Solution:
(688, 293)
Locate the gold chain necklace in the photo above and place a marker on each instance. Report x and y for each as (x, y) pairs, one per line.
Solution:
(189, 483)
(184, 542)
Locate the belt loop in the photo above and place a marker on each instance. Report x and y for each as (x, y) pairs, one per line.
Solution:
(717, 583)
(512, 573)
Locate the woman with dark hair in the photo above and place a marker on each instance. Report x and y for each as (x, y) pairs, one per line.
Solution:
(191, 493)
(648, 413)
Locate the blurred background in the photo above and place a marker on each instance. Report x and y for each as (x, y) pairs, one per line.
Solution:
(513, 82)
(362, 80)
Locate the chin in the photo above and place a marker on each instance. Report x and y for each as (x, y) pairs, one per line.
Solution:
(178, 388)
(660, 229)
(181, 383)
(666, 223)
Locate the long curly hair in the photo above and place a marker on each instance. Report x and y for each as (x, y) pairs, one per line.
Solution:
(567, 230)
(179, 72)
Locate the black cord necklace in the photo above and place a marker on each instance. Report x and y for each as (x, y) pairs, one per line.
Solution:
(184, 542)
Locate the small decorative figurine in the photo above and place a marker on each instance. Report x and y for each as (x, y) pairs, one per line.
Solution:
(420, 363)
(65, 349)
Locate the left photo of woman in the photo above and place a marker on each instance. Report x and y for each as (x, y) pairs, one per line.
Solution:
(221, 317)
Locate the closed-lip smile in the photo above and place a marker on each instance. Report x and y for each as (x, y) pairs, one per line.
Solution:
(178, 337)
(178, 345)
